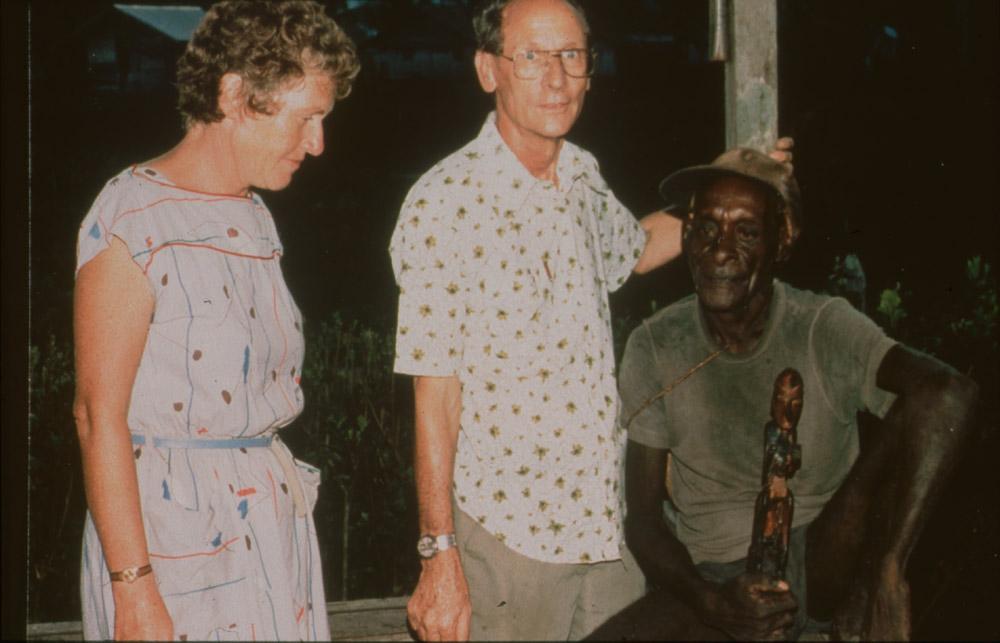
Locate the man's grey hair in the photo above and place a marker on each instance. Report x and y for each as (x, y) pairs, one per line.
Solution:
(487, 21)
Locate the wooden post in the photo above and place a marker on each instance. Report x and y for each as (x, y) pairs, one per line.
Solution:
(752, 73)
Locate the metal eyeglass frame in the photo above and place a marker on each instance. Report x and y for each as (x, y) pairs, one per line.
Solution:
(549, 54)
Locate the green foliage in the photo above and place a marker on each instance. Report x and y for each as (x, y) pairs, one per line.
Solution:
(55, 490)
(890, 306)
(979, 322)
(357, 429)
(962, 332)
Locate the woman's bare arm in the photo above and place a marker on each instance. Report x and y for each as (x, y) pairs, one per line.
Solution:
(112, 308)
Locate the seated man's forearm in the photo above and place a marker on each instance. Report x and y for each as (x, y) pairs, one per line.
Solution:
(746, 607)
(663, 558)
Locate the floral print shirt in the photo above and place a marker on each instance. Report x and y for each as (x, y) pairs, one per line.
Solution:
(504, 282)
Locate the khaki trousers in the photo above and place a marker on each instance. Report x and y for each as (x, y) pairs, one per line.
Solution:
(518, 598)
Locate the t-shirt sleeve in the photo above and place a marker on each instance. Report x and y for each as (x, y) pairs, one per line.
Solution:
(426, 262)
(639, 382)
(848, 348)
(113, 214)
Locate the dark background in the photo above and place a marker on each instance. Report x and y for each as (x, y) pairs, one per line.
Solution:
(896, 138)
(892, 104)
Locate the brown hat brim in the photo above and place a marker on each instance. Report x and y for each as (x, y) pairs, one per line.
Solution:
(678, 188)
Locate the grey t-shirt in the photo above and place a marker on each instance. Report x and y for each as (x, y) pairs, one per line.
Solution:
(713, 422)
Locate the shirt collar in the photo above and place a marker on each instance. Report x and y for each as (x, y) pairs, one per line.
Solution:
(571, 166)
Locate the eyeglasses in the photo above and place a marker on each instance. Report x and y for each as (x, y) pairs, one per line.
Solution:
(532, 63)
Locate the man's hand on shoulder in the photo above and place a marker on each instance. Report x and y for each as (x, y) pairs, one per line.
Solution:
(782, 151)
(750, 607)
(439, 609)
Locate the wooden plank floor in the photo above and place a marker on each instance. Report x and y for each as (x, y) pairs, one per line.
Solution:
(373, 619)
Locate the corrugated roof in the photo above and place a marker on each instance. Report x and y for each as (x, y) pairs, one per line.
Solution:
(176, 22)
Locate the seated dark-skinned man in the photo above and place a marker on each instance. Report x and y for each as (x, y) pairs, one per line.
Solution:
(696, 382)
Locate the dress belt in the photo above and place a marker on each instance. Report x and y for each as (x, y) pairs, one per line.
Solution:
(196, 443)
(282, 454)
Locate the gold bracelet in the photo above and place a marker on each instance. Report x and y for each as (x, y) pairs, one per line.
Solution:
(130, 574)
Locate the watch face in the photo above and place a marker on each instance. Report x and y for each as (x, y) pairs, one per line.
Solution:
(130, 574)
(427, 546)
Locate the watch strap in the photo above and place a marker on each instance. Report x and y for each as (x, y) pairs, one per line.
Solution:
(131, 574)
(445, 541)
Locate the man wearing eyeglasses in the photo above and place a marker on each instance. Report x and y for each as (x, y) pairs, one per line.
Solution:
(505, 253)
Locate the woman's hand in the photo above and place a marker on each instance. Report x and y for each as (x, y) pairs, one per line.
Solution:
(140, 614)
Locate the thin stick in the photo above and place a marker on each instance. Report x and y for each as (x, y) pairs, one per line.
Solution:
(671, 386)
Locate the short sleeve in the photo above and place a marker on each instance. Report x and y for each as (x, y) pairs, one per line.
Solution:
(113, 214)
(426, 262)
(848, 348)
(622, 240)
(638, 383)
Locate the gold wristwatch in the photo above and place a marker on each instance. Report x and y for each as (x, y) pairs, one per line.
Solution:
(131, 574)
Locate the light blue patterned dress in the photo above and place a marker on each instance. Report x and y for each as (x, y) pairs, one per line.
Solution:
(229, 528)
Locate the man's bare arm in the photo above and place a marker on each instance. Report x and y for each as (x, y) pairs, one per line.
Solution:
(749, 607)
(439, 608)
(663, 241)
(934, 408)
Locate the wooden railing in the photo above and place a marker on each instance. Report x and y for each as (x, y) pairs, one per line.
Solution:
(373, 619)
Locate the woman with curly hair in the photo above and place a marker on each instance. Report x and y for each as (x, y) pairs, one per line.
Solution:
(189, 349)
